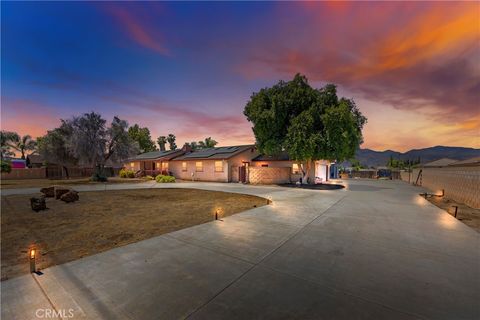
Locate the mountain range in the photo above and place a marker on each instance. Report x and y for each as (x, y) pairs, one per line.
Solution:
(372, 158)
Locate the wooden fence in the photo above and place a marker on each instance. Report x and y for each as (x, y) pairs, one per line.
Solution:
(54, 172)
(19, 174)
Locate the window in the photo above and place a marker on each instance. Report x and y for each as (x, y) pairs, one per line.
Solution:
(132, 164)
(199, 166)
(184, 166)
(164, 166)
(218, 166)
(295, 169)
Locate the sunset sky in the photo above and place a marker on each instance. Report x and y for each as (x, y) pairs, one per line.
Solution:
(189, 68)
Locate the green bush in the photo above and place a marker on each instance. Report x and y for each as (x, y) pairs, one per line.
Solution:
(124, 173)
(164, 179)
(6, 166)
(99, 177)
(148, 178)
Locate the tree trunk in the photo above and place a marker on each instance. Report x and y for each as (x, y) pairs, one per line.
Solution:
(66, 172)
(306, 166)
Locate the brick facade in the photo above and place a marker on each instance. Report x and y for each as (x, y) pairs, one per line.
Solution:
(269, 175)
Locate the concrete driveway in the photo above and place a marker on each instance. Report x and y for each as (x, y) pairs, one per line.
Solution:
(375, 250)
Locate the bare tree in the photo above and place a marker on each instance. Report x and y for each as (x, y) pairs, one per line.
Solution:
(93, 143)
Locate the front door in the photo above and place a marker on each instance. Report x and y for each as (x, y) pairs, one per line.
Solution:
(242, 172)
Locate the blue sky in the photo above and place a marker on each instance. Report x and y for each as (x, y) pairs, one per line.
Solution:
(190, 68)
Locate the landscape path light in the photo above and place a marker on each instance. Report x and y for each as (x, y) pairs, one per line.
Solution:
(32, 254)
(217, 212)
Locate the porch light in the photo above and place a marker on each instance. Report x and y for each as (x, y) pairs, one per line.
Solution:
(32, 260)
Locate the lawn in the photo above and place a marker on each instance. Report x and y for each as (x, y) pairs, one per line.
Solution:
(40, 183)
(102, 220)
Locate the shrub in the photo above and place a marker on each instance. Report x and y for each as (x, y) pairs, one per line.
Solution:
(124, 173)
(148, 178)
(6, 166)
(99, 177)
(164, 179)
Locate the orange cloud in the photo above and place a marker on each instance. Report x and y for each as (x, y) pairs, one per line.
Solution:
(435, 33)
(28, 117)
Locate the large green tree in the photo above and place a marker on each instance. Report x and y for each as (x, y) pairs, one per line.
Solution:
(309, 124)
(54, 147)
(142, 137)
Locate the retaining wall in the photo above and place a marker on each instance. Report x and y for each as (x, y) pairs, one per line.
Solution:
(461, 184)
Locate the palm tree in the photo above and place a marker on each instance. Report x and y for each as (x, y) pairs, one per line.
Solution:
(162, 141)
(207, 143)
(26, 143)
(6, 138)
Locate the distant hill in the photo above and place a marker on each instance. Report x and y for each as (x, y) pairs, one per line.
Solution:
(372, 158)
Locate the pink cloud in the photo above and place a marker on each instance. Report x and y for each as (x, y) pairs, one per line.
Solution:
(137, 30)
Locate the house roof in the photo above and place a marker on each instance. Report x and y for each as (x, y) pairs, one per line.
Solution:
(155, 155)
(440, 162)
(469, 162)
(35, 158)
(282, 156)
(218, 153)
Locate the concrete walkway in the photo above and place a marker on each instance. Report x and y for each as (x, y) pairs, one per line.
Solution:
(375, 250)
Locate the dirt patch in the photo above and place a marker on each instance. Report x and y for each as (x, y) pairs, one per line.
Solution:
(469, 216)
(102, 220)
(40, 183)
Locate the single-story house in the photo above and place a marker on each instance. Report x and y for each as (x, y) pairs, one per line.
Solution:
(318, 173)
(222, 164)
(443, 162)
(155, 162)
(35, 161)
(227, 164)
(472, 162)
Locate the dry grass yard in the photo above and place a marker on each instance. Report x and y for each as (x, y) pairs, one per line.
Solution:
(102, 220)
